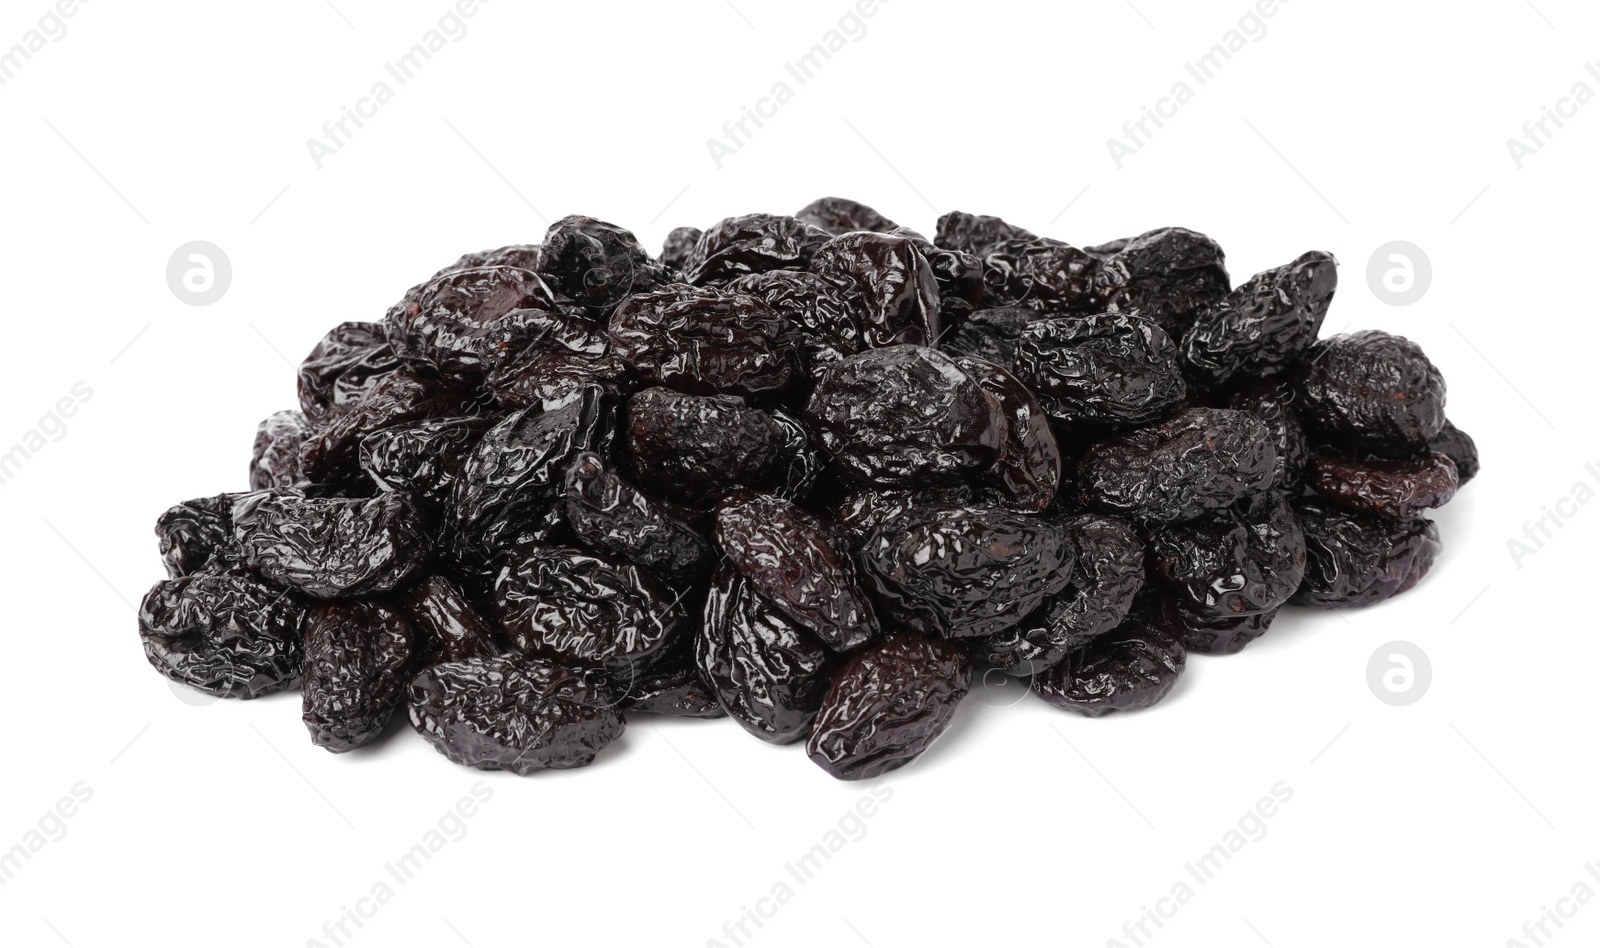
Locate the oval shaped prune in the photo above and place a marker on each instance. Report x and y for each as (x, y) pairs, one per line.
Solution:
(1245, 562)
(1357, 559)
(1106, 370)
(358, 656)
(1130, 668)
(223, 632)
(1372, 391)
(704, 341)
(1264, 326)
(461, 324)
(613, 517)
(1397, 489)
(1202, 459)
(896, 286)
(696, 450)
(329, 548)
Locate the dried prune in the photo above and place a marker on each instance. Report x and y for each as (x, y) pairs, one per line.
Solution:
(1355, 559)
(1225, 636)
(673, 686)
(1103, 370)
(1272, 401)
(460, 325)
(768, 671)
(422, 458)
(752, 243)
(1264, 326)
(826, 315)
(1130, 668)
(332, 453)
(1028, 471)
(894, 283)
(1200, 460)
(679, 247)
(358, 656)
(703, 340)
(992, 335)
(838, 215)
(512, 713)
(196, 534)
(1397, 489)
(955, 572)
(611, 516)
(980, 234)
(448, 627)
(349, 360)
(698, 449)
(596, 264)
(887, 706)
(275, 457)
(860, 513)
(1459, 447)
(1169, 276)
(561, 351)
(904, 416)
(329, 548)
(1372, 391)
(1247, 561)
(223, 632)
(787, 557)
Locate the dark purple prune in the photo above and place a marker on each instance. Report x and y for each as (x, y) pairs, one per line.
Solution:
(1028, 471)
(887, 706)
(349, 360)
(423, 458)
(826, 315)
(330, 548)
(1107, 573)
(1272, 401)
(223, 632)
(896, 286)
(561, 351)
(1168, 276)
(704, 341)
(331, 454)
(1104, 370)
(768, 671)
(904, 416)
(956, 572)
(695, 450)
(611, 516)
(569, 606)
(358, 657)
(510, 486)
(1130, 668)
(838, 215)
(449, 629)
(460, 325)
(1459, 447)
(198, 533)
(1007, 281)
(856, 515)
(1245, 562)
(512, 713)
(981, 234)
(275, 457)
(1201, 460)
(752, 243)
(786, 556)
(1062, 278)
(1226, 636)
(1372, 391)
(679, 247)
(959, 277)
(992, 335)
(1264, 326)
(522, 256)
(595, 264)
(1397, 489)
(673, 686)
(1355, 559)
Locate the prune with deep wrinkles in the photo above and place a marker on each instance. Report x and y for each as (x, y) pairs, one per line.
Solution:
(332, 452)
(696, 450)
(349, 360)
(1129, 668)
(224, 632)
(856, 515)
(512, 713)
(1245, 562)
(679, 247)
(462, 324)
(1102, 370)
(596, 264)
(611, 516)
(1272, 401)
(959, 277)
(422, 458)
(358, 659)
(1264, 326)
(1169, 276)
(894, 283)
(329, 548)
(673, 686)
(1226, 636)
(703, 340)
(992, 335)
(980, 234)
(752, 243)
(1202, 459)
(448, 627)
(1372, 391)
(275, 457)
(1399, 490)
(1355, 559)
(196, 534)
(1028, 471)
(838, 215)
(887, 706)
(904, 416)
(826, 315)
(1459, 447)
(561, 351)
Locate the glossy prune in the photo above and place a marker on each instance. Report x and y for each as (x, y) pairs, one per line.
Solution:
(1355, 559)
(1399, 490)
(1459, 447)
(679, 247)
(224, 632)
(461, 324)
(1200, 460)
(1028, 471)
(703, 340)
(992, 335)
(838, 215)
(560, 351)
(275, 457)
(698, 449)
(358, 659)
(858, 514)
(980, 234)
(1168, 276)
(1272, 402)
(1128, 669)
(1247, 561)
(611, 516)
(349, 360)
(448, 627)
(1372, 391)
(752, 243)
(422, 458)
(887, 706)
(332, 453)
(894, 283)
(596, 264)
(1104, 370)
(1264, 326)
(1225, 636)
(196, 534)
(673, 686)
(329, 548)
(826, 315)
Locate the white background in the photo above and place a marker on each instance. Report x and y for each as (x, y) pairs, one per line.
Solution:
(148, 125)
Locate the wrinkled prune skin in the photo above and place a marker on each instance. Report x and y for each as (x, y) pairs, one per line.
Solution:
(561, 351)
(1202, 459)
(894, 283)
(695, 450)
(959, 572)
(703, 341)
(837, 215)
(980, 234)
(329, 548)
(904, 416)
(1028, 471)
(1355, 559)
(511, 484)
(1264, 326)
(1225, 637)
(596, 264)
(566, 605)
(332, 453)
(788, 559)
(992, 335)
(512, 713)
(675, 688)
(349, 360)
(1459, 447)
(1007, 280)
(887, 706)
(1128, 669)
(614, 518)
(521, 256)
(679, 247)
(1168, 276)
(196, 534)
(224, 632)
(1106, 370)
(1248, 561)
(448, 628)
(1272, 401)
(858, 514)
(1060, 277)
(1372, 391)
(958, 275)
(422, 458)
(752, 243)
(358, 660)
(275, 457)
(1399, 490)
(826, 315)
(460, 325)
(768, 671)
(1107, 573)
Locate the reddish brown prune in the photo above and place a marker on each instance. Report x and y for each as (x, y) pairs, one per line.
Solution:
(887, 706)
(512, 713)
(1247, 561)
(1264, 326)
(198, 533)
(596, 264)
(1355, 559)
(1105, 370)
(275, 457)
(1201, 460)
(1028, 471)
(224, 632)
(422, 458)
(696, 450)
(704, 341)
(1372, 391)
(561, 350)
(448, 627)
(893, 282)
(1168, 276)
(349, 360)
(1397, 489)
(904, 416)
(826, 315)
(838, 215)
(461, 324)
(358, 657)
(752, 243)
(329, 548)
(679, 247)
(1128, 669)
(1272, 401)
(992, 335)
(611, 516)
(1459, 447)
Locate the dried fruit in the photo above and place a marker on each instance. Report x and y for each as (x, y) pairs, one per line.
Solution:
(1108, 370)
(223, 632)
(1128, 669)
(1373, 392)
(1355, 559)
(358, 657)
(330, 548)
(1399, 490)
(703, 341)
(1200, 460)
